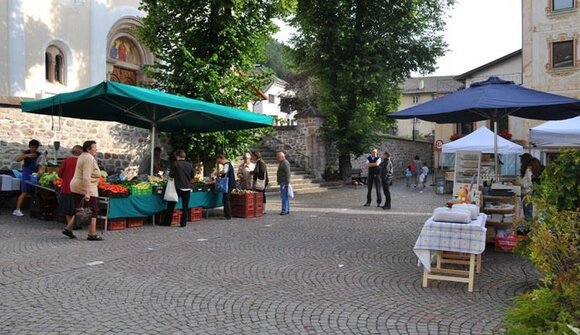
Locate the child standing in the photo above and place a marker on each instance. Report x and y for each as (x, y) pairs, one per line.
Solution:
(424, 173)
(409, 175)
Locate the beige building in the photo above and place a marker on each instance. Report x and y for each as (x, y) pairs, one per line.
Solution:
(508, 67)
(417, 91)
(551, 47)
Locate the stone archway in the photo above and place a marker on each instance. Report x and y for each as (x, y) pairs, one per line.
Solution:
(125, 55)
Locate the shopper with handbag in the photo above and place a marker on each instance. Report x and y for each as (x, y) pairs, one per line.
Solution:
(227, 176)
(84, 186)
(283, 179)
(181, 172)
(260, 175)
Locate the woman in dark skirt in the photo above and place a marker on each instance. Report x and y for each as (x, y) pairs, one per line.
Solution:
(260, 175)
(66, 172)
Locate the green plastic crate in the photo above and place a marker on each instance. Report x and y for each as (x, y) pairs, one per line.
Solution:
(138, 191)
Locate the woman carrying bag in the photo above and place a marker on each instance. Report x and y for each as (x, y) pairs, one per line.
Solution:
(181, 172)
(227, 172)
(260, 175)
(84, 187)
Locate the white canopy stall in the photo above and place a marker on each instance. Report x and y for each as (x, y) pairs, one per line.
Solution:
(482, 140)
(555, 134)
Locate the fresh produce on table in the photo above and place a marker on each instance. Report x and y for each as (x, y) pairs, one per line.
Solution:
(112, 189)
(47, 179)
(241, 192)
(157, 181)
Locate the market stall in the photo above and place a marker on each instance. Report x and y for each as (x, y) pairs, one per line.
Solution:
(481, 142)
(490, 100)
(557, 134)
(151, 109)
(148, 205)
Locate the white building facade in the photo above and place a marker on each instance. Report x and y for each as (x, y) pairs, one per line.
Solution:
(54, 46)
(270, 106)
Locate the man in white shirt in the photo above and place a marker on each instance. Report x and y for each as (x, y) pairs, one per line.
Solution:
(373, 162)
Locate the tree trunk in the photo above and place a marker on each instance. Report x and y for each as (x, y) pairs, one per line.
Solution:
(345, 168)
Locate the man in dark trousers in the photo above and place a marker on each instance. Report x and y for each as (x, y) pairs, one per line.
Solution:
(283, 179)
(373, 162)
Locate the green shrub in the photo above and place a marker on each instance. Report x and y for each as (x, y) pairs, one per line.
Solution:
(554, 248)
(543, 311)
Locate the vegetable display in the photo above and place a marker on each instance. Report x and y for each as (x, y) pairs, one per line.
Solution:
(49, 179)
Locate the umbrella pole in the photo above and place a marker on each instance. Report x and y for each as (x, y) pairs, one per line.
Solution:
(496, 159)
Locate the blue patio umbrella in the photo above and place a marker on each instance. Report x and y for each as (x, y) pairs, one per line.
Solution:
(490, 100)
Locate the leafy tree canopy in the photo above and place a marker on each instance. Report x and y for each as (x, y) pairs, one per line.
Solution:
(206, 49)
(358, 51)
(277, 56)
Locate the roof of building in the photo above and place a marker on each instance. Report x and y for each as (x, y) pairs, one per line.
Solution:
(276, 81)
(463, 76)
(433, 84)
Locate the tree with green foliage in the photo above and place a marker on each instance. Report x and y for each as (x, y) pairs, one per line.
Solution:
(206, 49)
(277, 56)
(358, 52)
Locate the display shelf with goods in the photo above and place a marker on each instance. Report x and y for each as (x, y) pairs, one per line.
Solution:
(502, 212)
(466, 174)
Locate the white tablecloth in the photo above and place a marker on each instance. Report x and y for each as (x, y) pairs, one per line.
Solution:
(446, 236)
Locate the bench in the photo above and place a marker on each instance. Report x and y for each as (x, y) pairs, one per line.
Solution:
(356, 177)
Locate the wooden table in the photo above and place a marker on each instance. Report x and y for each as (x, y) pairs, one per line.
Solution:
(453, 243)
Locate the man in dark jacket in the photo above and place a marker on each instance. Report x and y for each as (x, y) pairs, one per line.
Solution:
(373, 162)
(283, 179)
(182, 172)
(386, 171)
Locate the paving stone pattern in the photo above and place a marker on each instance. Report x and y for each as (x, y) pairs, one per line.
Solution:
(330, 267)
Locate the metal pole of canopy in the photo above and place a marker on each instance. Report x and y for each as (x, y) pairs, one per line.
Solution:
(153, 126)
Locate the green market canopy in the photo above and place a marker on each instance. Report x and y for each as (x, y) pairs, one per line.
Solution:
(146, 108)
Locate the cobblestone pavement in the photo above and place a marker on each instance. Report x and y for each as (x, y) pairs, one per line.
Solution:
(331, 267)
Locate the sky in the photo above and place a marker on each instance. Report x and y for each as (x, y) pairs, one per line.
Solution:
(477, 32)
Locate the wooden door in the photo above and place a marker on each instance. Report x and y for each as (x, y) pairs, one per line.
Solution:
(124, 76)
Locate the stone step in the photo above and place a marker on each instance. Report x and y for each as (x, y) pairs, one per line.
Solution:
(313, 188)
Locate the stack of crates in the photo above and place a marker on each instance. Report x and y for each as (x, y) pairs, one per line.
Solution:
(243, 205)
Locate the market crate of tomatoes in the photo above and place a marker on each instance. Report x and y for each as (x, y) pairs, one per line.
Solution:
(112, 190)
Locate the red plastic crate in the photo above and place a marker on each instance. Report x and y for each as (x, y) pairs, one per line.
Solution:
(506, 244)
(135, 222)
(259, 204)
(112, 224)
(246, 211)
(176, 217)
(242, 199)
(195, 214)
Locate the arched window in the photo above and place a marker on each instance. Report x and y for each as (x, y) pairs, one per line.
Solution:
(54, 65)
(47, 66)
(58, 75)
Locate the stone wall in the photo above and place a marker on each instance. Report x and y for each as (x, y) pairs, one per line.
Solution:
(302, 144)
(119, 146)
(305, 147)
(402, 153)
